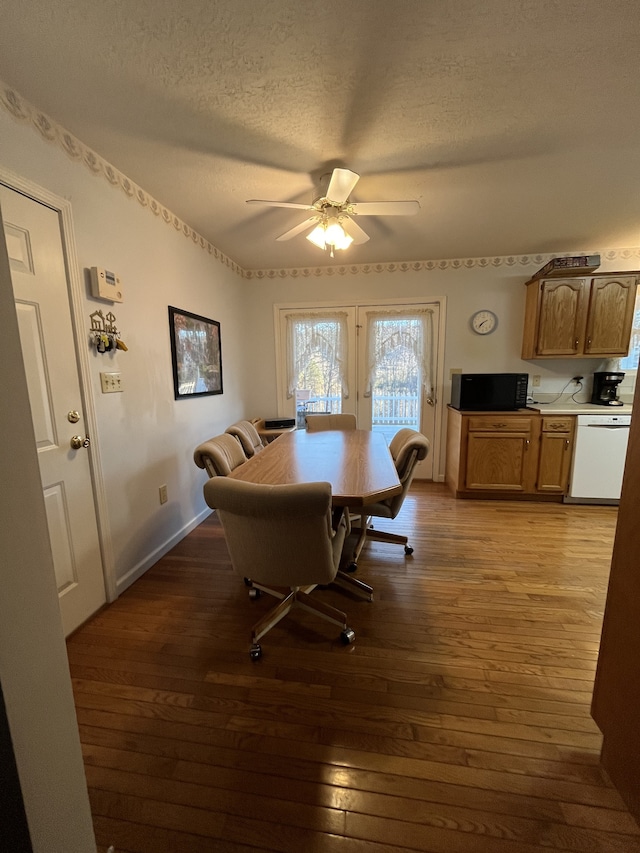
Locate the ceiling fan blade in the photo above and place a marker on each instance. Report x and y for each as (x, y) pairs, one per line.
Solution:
(340, 186)
(298, 229)
(385, 208)
(279, 203)
(354, 230)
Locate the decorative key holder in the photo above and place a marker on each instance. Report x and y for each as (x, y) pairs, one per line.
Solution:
(104, 333)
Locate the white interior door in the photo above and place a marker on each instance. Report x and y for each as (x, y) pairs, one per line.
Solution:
(32, 232)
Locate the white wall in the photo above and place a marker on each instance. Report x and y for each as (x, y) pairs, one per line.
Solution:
(145, 437)
(498, 284)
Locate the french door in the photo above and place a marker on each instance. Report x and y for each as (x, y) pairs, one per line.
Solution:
(378, 361)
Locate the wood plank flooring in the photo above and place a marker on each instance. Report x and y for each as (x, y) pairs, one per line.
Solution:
(458, 722)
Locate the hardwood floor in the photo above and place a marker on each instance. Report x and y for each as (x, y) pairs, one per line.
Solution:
(458, 722)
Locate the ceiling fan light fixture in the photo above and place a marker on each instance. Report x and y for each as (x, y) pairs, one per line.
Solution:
(334, 216)
(317, 236)
(336, 236)
(330, 234)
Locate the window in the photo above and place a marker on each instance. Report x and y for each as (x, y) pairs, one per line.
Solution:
(317, 360)
(630, 362)
(399, 366)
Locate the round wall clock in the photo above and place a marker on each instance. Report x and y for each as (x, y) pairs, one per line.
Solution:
(484, 322)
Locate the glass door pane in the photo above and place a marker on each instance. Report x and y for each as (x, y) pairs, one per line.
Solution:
(386, 393)
(397, 376)
(396, 369)
(316, 347)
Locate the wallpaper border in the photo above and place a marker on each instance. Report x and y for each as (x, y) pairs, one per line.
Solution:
(431, 266)
(22, 111)
(50, 131)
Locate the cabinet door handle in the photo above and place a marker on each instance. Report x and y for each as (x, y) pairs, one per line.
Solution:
(566, 444)
(577, 341)
(526, 443)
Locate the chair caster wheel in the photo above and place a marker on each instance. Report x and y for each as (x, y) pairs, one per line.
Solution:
(255, 652)
(408, 550)
(348, 636)
(248, 582)
(352, 567)
(254, 593)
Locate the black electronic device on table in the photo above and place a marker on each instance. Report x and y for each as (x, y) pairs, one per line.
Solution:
(279, 423)
(605, 388)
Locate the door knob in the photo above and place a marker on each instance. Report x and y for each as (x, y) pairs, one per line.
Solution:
(77, 441)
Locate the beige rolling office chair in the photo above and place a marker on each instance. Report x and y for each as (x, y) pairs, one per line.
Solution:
(219, 455)
(407, 447)
(248, 437)
(330, 421)
(282, 536)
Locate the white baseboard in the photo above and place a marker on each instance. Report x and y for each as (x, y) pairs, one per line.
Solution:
(137, 571)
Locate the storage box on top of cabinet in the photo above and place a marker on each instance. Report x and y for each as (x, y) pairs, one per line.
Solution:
(579, 317)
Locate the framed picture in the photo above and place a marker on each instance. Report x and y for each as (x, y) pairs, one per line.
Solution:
(196, 354)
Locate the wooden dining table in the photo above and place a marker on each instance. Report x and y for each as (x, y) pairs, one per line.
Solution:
(357, 463)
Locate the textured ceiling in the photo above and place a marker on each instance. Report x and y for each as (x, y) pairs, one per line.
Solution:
(514, 123)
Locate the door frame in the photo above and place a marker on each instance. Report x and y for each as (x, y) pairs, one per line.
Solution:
(62, 207)
(438, 351)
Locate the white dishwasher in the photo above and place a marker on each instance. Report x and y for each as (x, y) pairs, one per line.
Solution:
(598, 458)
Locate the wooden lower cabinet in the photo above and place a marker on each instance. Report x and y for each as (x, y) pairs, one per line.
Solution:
(555, 452)
(498, 454)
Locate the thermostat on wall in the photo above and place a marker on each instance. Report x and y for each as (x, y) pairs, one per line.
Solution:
(106, 285)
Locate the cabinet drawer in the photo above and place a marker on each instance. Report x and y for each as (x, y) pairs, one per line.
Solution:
(482, 423)
(551, 424)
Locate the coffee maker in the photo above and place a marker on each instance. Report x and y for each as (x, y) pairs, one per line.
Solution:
(605, 388)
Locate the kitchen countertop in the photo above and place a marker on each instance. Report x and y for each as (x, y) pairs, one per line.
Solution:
(571, 408)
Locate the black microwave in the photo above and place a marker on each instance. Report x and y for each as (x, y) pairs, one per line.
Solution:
(488, 391)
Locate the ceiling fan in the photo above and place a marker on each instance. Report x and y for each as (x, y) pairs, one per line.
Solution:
(333, 213)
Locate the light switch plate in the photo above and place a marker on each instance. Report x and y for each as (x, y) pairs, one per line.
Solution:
(111, 382)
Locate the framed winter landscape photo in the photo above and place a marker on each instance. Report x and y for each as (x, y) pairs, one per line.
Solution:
(196, 354)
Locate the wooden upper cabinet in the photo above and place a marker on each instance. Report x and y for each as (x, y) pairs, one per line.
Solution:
(579, 317)
(610, 316)
(562, 316)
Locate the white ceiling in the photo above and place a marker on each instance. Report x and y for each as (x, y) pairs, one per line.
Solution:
(514, 123)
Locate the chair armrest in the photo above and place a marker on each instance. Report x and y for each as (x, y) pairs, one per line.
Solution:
(340, 515)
